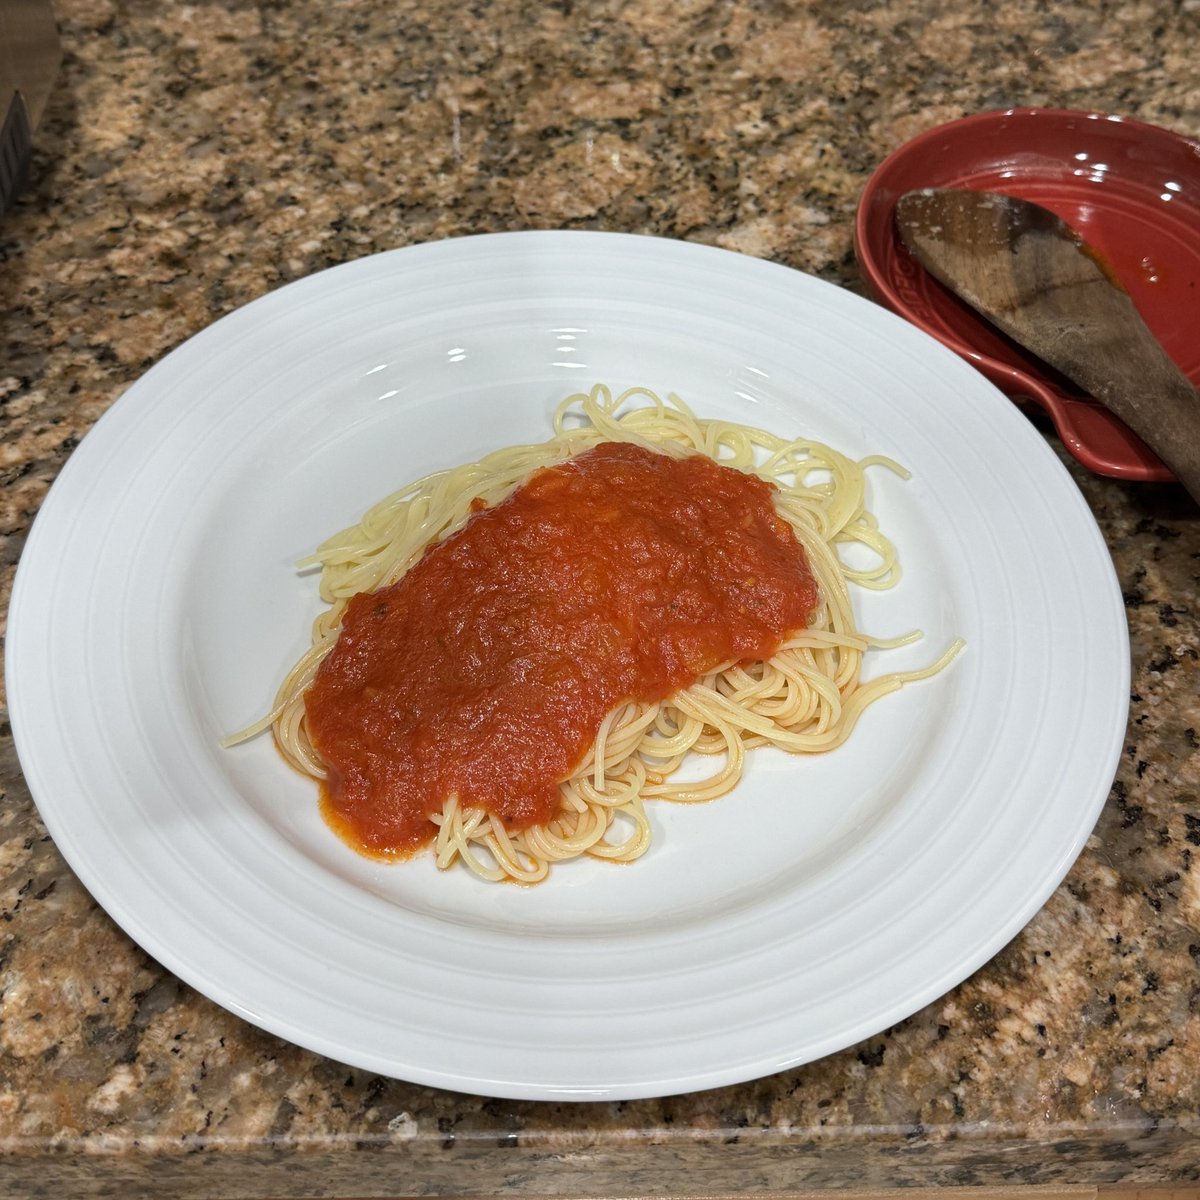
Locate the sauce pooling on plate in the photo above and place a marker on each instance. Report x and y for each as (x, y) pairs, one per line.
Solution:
(487, 670)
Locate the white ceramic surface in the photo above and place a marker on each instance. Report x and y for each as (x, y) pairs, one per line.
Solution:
(156, 607)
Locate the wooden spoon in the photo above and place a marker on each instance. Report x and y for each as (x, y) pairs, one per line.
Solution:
(1028, 272)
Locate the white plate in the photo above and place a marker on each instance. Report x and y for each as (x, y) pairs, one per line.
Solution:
(156, 608)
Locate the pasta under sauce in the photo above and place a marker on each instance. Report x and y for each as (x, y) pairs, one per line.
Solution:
(486, 671)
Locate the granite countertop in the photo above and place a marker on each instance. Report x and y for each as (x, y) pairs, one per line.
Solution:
(196, 156)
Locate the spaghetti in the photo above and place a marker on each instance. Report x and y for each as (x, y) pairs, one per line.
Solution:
(730, 684)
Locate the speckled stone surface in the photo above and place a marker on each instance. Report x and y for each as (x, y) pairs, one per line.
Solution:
(196, 156)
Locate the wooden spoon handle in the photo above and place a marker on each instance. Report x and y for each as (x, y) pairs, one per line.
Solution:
(1159, 404)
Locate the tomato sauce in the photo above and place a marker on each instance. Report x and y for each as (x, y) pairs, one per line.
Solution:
(486, 671)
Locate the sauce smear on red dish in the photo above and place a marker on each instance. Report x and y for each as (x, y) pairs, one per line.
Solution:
(486, 671)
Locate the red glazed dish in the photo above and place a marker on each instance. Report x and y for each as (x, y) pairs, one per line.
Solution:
(1131, 189)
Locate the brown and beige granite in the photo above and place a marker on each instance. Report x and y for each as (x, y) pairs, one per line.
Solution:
(195, 156)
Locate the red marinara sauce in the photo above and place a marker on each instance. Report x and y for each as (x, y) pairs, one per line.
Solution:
(622, 574)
